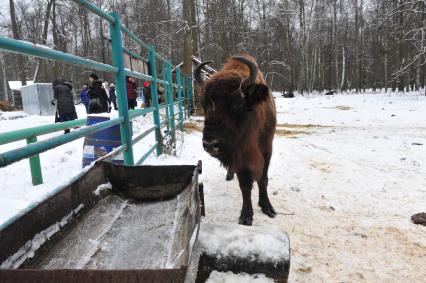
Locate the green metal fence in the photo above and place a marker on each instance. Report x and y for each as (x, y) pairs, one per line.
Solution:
(182, 86)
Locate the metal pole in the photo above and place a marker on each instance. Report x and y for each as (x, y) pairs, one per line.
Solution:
(154, 95)
(166, 94)
(179, 95)
(188, 97)
(18, 135)
(171, 100)
(35, 166)
(191, 93)
(184, 95)
(120, 82)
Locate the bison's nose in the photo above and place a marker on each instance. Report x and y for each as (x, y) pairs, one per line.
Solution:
(211, 146)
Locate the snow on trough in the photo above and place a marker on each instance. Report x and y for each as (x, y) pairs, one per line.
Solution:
(347, 173)
(30, 247)
(266, 243)
(229, 277)
(102, 188)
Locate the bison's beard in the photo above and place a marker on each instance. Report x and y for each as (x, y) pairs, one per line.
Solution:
(224, 157)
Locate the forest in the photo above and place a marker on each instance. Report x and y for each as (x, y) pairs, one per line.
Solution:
(300, 45)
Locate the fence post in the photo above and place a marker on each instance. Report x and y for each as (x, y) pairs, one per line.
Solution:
(179, 95)
(35, 166)
(154, 95)
(165, 94)
(184, 94)
(191, 92)
(189, 97)
(171, 99)
(120, 82)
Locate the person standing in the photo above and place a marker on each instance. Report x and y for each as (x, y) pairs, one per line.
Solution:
(147, 94)
(99, 100)
(62, 92)
(160, 90)
(113, 96)
(131, 87)
(84, 97)
(105, 86)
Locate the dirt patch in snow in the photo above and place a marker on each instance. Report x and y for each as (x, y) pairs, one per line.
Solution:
(288, 133)
(343, 107)
(320, 165)
(192, 127)
(301, 126)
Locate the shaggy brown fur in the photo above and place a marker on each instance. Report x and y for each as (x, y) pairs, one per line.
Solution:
(242, 119)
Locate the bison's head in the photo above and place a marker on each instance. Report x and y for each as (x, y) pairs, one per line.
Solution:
(229, 101)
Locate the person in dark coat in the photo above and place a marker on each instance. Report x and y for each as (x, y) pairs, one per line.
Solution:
(99, 101)
(84, 97)
(131, 87)
(62, 91)
(147, 94)
(160, 90)
(113, 96)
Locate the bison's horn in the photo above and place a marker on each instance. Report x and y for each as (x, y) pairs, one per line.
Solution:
(252, 66)
(197, 72)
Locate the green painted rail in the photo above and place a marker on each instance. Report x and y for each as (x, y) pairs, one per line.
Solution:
(39, 131)
(182, 86)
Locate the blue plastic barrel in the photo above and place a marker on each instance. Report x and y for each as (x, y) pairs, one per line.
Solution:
(101, 143)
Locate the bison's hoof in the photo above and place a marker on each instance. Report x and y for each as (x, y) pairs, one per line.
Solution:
(246, 218)
(268, 209)
(229, 176)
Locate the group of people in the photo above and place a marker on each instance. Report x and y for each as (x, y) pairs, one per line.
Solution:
(97, 97)
(147, 94)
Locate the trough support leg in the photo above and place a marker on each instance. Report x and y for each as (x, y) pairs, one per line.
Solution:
(246, 184)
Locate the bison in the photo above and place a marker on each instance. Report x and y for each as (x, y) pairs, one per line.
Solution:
(239, 126)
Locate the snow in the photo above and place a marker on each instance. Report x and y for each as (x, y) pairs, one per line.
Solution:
(229, 277)
(263, 243)
(30, 247)
(12, 115)
(102, 188)
(16, 85)
(346, 175)
(344, 182)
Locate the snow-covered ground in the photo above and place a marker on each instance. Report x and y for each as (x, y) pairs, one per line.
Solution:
(347, 173)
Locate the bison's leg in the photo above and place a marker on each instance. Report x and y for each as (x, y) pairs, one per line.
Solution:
(264, 202)
(229, 175)
(246, 184)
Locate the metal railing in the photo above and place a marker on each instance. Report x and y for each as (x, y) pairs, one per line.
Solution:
(182, 86)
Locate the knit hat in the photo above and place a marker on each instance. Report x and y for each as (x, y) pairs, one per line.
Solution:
(94, 76)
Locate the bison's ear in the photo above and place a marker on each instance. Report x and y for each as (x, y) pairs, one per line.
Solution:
(256, 93)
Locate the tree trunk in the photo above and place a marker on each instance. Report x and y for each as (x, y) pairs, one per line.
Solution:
(357, 65)
(302, 85)
(40, 63)
(342, 83)
(15, 32)
(187, 44)
(3, 68)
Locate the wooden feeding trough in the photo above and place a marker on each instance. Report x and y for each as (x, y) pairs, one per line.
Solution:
(142, 230)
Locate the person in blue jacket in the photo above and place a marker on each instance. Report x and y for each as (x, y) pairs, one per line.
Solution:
(84, 97)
